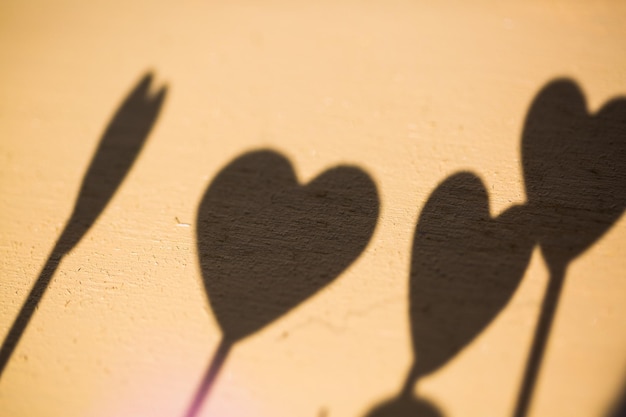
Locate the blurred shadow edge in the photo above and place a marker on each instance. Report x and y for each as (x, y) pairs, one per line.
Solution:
(618, 407)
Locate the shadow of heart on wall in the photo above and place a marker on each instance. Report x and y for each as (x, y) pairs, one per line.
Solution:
(465, 267)
(267, 243)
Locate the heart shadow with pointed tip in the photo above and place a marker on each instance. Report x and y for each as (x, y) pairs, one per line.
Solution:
(466, 266)
(267, 243)
(574, 169)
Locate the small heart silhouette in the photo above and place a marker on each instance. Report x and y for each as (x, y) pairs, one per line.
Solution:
(466, 266)
(267, 243)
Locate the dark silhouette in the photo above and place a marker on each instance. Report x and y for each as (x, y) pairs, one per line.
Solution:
(465, 268)
(120, 144)
(405, 405)
(575, 177)
(267, 243)
(618, 408)
(466, 265)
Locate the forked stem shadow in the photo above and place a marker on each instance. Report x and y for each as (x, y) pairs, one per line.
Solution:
(117, 151)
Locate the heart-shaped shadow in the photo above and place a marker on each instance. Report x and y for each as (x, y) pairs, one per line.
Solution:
(465, 268)
(267, 243)
(574, 170)
(405, 406)
(575, 177)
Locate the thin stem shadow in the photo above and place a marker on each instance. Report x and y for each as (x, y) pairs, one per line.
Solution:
(209, 377)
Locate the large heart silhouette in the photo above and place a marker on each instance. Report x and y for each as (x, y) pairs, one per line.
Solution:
(267, 243)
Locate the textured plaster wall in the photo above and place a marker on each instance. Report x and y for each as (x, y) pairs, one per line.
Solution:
(411, 92)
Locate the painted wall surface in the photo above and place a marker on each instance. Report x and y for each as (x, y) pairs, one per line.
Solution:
(392, 112)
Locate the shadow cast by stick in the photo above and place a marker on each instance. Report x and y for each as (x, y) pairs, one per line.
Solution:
(118, 148)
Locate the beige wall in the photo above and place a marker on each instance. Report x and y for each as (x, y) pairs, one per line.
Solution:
(411, 92)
